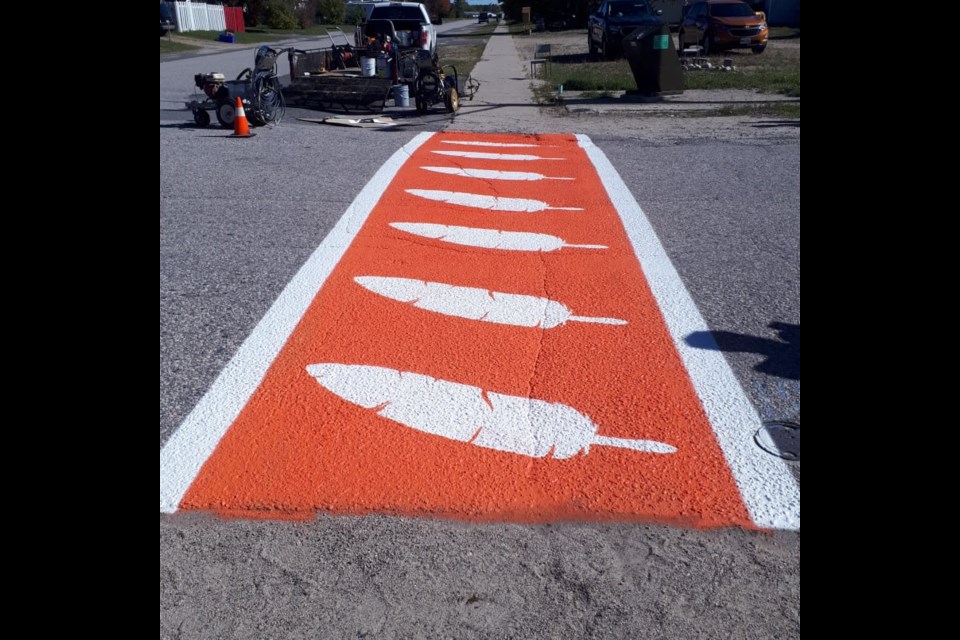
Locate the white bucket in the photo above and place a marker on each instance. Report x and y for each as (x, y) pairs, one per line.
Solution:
(381, 67)
(401, 95)
(368, 67)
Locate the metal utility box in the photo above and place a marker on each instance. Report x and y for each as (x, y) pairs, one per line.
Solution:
(653, 61)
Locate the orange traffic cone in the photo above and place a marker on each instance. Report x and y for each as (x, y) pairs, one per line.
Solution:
(241, 129)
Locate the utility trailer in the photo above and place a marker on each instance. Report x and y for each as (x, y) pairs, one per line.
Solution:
(329, 77)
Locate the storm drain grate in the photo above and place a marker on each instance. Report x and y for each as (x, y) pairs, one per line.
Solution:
(779, 438)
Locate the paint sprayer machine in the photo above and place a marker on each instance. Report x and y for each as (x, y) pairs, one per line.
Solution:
(258, 88)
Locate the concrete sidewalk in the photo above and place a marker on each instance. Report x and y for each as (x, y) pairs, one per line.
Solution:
(504, 101)
(691, 102)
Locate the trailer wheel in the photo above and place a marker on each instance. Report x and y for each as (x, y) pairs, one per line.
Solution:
(226, 112)
(201, 117)
(452, 100)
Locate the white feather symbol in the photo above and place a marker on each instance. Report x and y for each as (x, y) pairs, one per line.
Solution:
(490, 174)
(477, 304)
(478, 143)
(490, 238)
(526, 426)
(482, 155)
(490, 203)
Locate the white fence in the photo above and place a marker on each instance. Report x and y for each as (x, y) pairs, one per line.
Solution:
(197, 16)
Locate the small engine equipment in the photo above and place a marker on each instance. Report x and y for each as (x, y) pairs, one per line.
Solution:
(210, 83)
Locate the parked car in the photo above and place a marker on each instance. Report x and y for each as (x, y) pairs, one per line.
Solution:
(407, 23)
(615, 19)
(483, 18)
(672, 10)
(717, 25)
(166, 19)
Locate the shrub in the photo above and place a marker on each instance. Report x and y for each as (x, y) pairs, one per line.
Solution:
(354, 15)
(277, 15)
(331, 11)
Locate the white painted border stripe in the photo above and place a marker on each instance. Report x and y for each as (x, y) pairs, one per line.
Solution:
(195, 439)
(483, 143)
(765, 482)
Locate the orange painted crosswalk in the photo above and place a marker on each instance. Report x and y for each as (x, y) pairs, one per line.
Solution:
(487, 347)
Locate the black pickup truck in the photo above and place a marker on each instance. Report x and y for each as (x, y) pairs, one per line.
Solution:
(615, 19)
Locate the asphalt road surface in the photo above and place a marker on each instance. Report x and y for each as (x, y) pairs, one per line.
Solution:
(238, 219)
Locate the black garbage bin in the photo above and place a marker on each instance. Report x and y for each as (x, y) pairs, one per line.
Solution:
(653, 61)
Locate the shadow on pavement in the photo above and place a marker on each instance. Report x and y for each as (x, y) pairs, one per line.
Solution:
(769, 124)
(782, 356)
(793, 35)
(574, 58)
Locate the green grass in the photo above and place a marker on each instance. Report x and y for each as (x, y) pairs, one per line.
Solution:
(605, 75)
(248, 37)
(785, 81)
(517, 28)
(777, 70)
(169, 46)
(254, 35)
(463, 57)
(777, 109)
(482, 31)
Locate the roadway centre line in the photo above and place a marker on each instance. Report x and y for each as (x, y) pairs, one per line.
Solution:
(766, 484)
(183, 455)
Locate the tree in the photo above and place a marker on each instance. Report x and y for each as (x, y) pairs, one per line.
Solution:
(331, 11)
(438, 7)
(305, 11)
(253, 10)
(354, 14)
(279, 15)
(569, 12)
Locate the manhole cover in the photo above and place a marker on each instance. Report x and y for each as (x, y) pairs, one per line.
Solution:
(781, 439)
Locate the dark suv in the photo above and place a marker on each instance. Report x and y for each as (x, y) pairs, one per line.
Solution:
(723, 24)
(615, 19)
